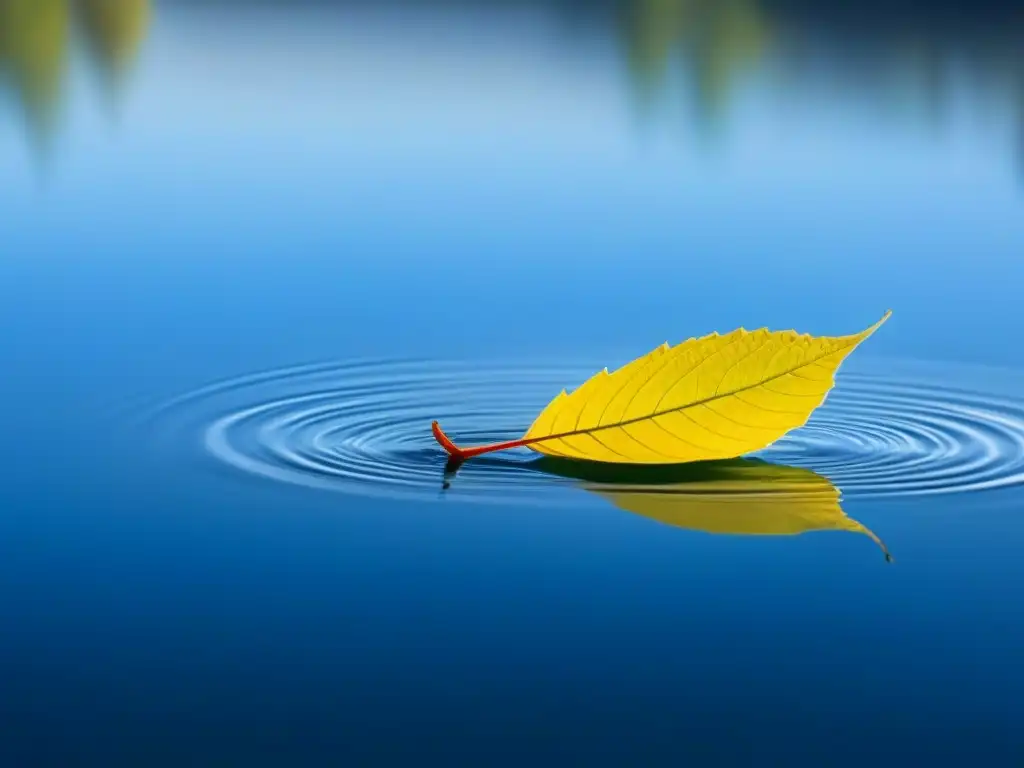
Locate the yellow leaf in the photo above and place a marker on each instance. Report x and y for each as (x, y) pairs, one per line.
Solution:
(738, 497)
(716, 397)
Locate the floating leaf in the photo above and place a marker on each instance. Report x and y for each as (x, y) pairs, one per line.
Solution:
(716, 397)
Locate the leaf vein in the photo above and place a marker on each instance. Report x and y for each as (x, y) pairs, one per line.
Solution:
(641, 443)
(706, 428)
(608, 447)
(792, 394)
(739, 360)
(627, 381)
(765, 408)
(689, 373)
(738, 423)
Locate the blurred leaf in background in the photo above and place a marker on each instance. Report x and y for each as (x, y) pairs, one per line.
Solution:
(35, 50)
(33, 56)
(114, 30)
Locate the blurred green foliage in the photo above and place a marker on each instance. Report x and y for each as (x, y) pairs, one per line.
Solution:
(35, 42)
(713, 40)
(894, 55)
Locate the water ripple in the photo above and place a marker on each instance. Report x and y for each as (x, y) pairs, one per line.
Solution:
(364, 427)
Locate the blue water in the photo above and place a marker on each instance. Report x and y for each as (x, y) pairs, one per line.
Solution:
(239, 277)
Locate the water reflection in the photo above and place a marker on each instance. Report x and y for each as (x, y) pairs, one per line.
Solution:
(713, 42)
(895, 58)
(114, 31)
(899, 56)
(742, 497)
(35, 49)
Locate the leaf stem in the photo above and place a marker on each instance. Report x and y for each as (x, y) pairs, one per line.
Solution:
(462, 454)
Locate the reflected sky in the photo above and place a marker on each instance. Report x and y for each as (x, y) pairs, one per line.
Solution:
(686, 62)
(533, 135)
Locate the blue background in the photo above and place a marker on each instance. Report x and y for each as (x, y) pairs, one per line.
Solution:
(270, 184)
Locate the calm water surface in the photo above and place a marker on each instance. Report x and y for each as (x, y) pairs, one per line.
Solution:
(249, 251)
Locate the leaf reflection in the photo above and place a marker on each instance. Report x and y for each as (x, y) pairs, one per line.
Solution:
(743, 497)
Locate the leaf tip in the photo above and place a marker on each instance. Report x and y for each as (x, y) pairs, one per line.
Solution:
(876, 326)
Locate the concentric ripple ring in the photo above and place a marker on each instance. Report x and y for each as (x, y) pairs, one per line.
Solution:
(363, 427)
